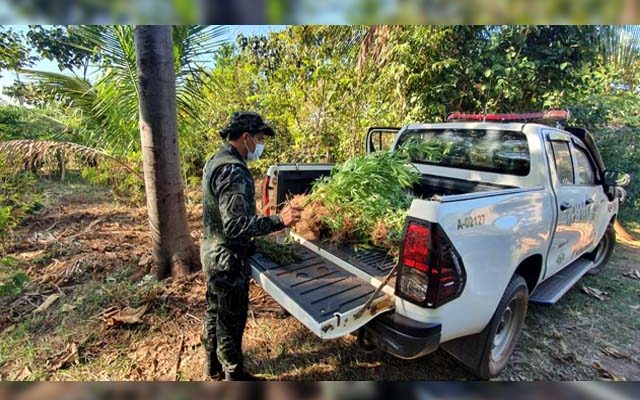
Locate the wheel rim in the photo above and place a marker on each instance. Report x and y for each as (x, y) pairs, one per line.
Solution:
(601, 251)
(507, 330)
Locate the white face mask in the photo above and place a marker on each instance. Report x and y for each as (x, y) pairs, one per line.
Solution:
(255, 154)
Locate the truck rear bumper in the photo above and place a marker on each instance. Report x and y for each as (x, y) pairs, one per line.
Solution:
(403, 337)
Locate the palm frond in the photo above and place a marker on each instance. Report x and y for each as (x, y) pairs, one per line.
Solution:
(31, 152)
(192, 42)
(78, 91)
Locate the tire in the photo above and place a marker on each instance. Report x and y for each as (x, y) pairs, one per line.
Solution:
(504, 329)
(602, 253)
(475, 351)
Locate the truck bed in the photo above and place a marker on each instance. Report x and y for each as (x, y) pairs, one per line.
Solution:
(375, 262)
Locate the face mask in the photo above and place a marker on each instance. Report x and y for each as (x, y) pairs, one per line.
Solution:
(255, 154)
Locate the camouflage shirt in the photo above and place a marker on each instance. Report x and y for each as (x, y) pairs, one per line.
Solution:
(230, 220)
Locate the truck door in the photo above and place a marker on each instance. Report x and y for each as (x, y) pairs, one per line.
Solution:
(592, 217)
(568, 238)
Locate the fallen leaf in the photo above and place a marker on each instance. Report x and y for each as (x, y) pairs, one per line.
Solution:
(610, 351)
(605, 374)
(68, 307)
(47, 303)
(127, 315)
(66, 358)
(635, 274)
(22, 375)
(597, 293)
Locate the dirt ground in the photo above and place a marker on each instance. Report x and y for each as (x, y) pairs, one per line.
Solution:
(90, 311)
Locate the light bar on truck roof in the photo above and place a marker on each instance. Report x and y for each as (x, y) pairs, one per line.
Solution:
(544, 117)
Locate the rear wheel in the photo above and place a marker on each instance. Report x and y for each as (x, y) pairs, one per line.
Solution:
(600, 256)
(487, 353)
(504, 329)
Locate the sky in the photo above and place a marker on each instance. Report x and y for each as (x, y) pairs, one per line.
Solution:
(8, 77)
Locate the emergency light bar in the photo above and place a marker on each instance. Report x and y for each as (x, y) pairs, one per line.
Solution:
(545, 116)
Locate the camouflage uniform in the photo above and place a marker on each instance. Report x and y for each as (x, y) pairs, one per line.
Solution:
(230, 222)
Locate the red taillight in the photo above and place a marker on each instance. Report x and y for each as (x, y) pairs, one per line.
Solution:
(265, 196)
(431, 271)
(415, 249)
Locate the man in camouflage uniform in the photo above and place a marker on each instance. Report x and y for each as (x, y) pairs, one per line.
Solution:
(230, 223)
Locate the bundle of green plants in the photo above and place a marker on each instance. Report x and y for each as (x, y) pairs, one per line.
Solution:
(365, 199)
(277, 252)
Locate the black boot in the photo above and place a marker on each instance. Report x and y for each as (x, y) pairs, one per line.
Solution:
(241, 375)
(212, 367)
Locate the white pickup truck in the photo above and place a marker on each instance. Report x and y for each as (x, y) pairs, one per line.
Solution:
(517, 212)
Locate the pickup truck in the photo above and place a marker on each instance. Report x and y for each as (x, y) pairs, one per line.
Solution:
(517, 212)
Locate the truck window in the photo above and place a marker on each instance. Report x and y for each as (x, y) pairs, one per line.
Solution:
(564, 167)
(504, 152)
(586, 174)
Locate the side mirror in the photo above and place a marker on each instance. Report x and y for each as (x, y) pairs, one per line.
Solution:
(618, 178)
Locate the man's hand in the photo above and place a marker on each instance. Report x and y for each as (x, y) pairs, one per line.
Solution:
(290, 215)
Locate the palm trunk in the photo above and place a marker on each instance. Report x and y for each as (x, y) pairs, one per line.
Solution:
(174, 251)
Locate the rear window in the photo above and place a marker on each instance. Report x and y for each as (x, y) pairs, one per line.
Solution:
(504, 152)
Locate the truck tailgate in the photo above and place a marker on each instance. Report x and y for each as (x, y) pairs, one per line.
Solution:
(323, 296)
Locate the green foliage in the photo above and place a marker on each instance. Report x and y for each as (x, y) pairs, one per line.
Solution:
(26, 123)
(125, 185)
(488, 68)
(12, 280)
(363, 190)
(14, 51)
(62, 44)
(280, 253)
(14, 284)
(18, 197)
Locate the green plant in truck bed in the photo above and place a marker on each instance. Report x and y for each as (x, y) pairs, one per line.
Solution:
(370, 195)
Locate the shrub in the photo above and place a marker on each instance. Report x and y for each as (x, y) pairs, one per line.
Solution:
(18, 197)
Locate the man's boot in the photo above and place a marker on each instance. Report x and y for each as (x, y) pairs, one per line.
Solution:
(212, 367)
(241, 375)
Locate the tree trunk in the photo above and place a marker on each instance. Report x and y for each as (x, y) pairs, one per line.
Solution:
(62, 163)
(174, 251)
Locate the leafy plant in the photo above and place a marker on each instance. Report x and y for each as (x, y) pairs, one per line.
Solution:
(279, 253)
(362, 193)
(18, 197)
(14, 284)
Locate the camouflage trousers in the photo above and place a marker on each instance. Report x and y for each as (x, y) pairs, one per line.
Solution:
(226, 313)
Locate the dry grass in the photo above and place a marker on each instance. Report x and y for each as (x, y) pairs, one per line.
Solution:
(95, 254)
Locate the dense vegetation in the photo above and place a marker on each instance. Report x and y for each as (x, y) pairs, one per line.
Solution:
(321, 87)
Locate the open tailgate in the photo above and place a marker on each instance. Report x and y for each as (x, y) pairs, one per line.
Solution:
(325, 296)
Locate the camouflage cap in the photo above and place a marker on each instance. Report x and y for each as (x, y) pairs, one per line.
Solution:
(245, 121)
